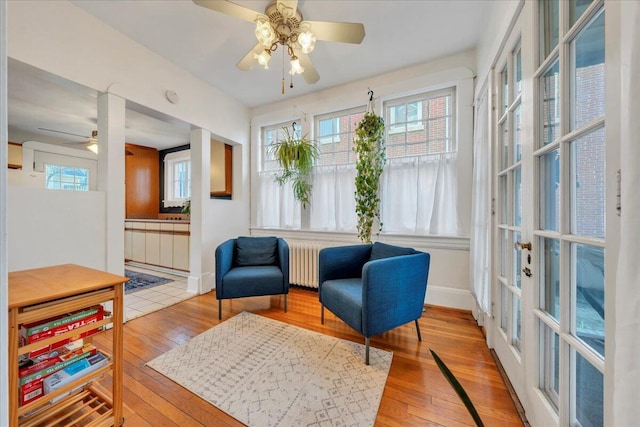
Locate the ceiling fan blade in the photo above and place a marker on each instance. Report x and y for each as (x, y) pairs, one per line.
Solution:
(345, 32)
(231, 9)
(66, 133)
(248, 61)
(310, 74)
(287, 7)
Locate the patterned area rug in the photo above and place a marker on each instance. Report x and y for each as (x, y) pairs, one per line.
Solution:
(268, 373)
(140, 281)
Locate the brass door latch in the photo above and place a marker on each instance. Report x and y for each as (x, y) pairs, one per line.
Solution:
(522, 245)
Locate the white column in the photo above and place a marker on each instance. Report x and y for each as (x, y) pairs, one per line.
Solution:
(111, 127)
(4, 294)
(200, 260)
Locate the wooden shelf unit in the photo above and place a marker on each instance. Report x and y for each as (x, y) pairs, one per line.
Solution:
(42, 293)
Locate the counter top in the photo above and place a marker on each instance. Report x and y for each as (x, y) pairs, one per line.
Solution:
(178, 221)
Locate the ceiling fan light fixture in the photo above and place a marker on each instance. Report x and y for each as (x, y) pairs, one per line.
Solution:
(296, 68)
(265, 33)
(93, 147)
(307, 41)
(263, 58)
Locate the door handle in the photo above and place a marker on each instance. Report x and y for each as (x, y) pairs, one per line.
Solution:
(522, 245)
(527, 271)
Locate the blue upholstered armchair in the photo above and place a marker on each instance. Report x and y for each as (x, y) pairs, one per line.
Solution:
(252, 266)
(373, 288)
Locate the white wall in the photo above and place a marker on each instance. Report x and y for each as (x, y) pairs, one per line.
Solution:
(61, 38)
(500, 20)
(49, 227)
(449, 274)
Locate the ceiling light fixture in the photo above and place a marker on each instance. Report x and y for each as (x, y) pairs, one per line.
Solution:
(283, 26)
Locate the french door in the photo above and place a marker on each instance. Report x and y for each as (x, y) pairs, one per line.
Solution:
(550, 229)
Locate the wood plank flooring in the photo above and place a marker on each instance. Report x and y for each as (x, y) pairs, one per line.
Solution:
(416, 393)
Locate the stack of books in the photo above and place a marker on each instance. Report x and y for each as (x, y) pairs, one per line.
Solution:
(39, 365)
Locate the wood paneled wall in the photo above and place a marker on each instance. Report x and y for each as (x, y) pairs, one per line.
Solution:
(142, 174)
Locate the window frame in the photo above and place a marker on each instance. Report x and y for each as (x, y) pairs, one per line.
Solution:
(451, 143)
(68, 186)
(265, 157)
(171, 160)
(336, 136)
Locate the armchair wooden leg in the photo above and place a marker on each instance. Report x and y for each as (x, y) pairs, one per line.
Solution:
(366, 351)
(322, 314)
(418, 329)
(285, 303)
(219, 309)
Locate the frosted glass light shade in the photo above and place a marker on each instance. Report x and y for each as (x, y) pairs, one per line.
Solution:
(265, 33)
(263, 59)
(307, 41)
(296, 68)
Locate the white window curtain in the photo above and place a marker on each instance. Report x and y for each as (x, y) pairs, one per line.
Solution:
(333, 205)
(626, 377)
(419, 196)
(481, 207)
(276, 206)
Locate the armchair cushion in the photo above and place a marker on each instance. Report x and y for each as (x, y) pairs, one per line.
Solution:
(382, 250)
(254, 281)
(347, 300)
(252, 251)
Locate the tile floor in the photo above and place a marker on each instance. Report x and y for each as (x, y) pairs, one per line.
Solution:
(143, 302)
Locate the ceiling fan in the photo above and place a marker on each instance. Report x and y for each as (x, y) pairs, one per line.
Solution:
(91, 143)
(282, 24)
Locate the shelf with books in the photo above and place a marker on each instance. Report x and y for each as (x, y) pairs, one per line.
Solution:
(52, 358)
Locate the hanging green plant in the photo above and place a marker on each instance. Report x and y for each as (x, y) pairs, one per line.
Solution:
(369, 148)
(296, 156)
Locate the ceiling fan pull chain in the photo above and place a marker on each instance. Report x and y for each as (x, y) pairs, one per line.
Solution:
(283, 71)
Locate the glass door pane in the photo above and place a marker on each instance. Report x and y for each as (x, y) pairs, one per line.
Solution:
(571, 221)
(588, 73)
(550, 29)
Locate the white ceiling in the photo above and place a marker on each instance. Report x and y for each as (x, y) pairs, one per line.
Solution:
(208, 44)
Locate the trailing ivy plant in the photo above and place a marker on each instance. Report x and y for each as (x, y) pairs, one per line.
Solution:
(369, 148)
(296, 156)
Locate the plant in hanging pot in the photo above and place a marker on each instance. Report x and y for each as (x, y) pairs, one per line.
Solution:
(296, 155)
(369, 147)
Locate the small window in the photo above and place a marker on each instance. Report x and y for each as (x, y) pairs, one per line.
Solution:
(271, 135)
(334, 133)
(58, 177)
(177, 178)
(405, 116)
(421, 125)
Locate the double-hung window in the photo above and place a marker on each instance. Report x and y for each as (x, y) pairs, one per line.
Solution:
(419, 183)
(177, 167)
(333, 202)
(335, 133)
(420, 125)
(275, 204)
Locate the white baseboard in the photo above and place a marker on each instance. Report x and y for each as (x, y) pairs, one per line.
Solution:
(200, 285)
(449, 297)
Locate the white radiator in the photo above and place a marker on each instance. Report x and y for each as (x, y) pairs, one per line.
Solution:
(303, 262)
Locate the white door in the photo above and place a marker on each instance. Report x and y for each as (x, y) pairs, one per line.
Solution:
(550, 230)
(512, 222)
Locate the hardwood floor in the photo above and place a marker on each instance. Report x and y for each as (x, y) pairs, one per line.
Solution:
(416, 393)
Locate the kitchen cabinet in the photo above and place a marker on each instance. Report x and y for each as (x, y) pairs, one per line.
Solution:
(166, 244)
(152, 243)
(162, 243)
(181, 247)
